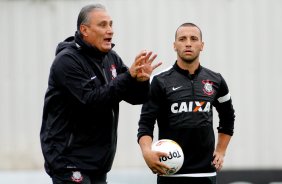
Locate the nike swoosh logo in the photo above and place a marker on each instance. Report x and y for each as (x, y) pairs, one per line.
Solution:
(173, 88)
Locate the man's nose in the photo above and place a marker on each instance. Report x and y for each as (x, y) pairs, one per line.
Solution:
(188, 43)
(110, 30)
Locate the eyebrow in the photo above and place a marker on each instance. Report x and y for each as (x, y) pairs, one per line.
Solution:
(104, 22)
(191, 36)
(182, 37)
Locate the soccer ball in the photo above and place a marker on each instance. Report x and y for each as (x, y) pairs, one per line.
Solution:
(175, 157)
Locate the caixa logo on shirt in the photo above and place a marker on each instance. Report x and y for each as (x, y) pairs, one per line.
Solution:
(192, 106)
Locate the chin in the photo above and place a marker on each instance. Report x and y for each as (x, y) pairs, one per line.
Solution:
(106, 49)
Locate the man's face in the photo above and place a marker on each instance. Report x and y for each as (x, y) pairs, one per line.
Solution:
(188, 43)
(98, 31)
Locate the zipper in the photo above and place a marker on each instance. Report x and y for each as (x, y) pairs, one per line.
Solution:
(105, 76)
(103, 72)
(70, 140)
(113, 112)
(193, 92)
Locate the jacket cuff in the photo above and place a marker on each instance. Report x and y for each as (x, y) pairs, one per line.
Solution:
(225, 131)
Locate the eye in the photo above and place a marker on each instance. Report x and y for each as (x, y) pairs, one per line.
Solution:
(181, 39)
(194, 38)
(103, 24)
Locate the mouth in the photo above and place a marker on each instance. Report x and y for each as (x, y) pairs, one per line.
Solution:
(108, 40)
(188, 52)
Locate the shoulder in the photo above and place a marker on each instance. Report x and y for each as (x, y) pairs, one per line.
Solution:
(67, 56)
(68, 59)
(164, 73)
(209, 71)
(217, 80)
(211, 74)
(67, 49)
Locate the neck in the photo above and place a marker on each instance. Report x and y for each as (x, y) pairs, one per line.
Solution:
(93, 51)
(191, 67)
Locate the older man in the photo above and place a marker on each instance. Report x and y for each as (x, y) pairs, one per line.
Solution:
(86, 83)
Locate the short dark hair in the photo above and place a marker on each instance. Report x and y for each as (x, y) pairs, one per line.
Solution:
(188, 24)
(83, 17)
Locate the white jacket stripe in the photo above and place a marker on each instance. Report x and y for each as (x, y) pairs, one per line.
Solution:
(193, 175)
(224, 98)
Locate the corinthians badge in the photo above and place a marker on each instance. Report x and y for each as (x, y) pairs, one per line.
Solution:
(76, 176)
(208, 89)
(114, 71)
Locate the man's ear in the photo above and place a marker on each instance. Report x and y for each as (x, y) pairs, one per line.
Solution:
(83, 30)
(174, 46)
(202, 46)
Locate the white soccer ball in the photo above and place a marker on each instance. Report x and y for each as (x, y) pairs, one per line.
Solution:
(175, 157)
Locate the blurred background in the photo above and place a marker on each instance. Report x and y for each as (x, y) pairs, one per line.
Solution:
(242, 42)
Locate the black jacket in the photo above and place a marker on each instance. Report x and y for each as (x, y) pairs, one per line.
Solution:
(81, 107)
(182, 105)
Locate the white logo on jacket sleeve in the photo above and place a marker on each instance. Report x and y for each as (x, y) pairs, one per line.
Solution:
(192, 106)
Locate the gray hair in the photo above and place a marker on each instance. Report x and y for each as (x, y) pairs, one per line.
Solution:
(83, 17)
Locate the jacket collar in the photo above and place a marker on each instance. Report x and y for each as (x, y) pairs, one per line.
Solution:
(186, 72)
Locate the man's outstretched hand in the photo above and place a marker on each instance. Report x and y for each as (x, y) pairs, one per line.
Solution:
(142, 67)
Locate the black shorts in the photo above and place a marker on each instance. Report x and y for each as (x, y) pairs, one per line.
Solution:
(75, 177)
(187, 180)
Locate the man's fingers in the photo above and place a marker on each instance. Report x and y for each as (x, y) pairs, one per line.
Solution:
(155, 171)
(142, 53)
(140, 60)
(157, 65)
(218, 162)
(158, 167)
(145, 57)
(150, 60)
(139, 67)
(148, 55)
(161, 154)
(161, 169)
(142, 67)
